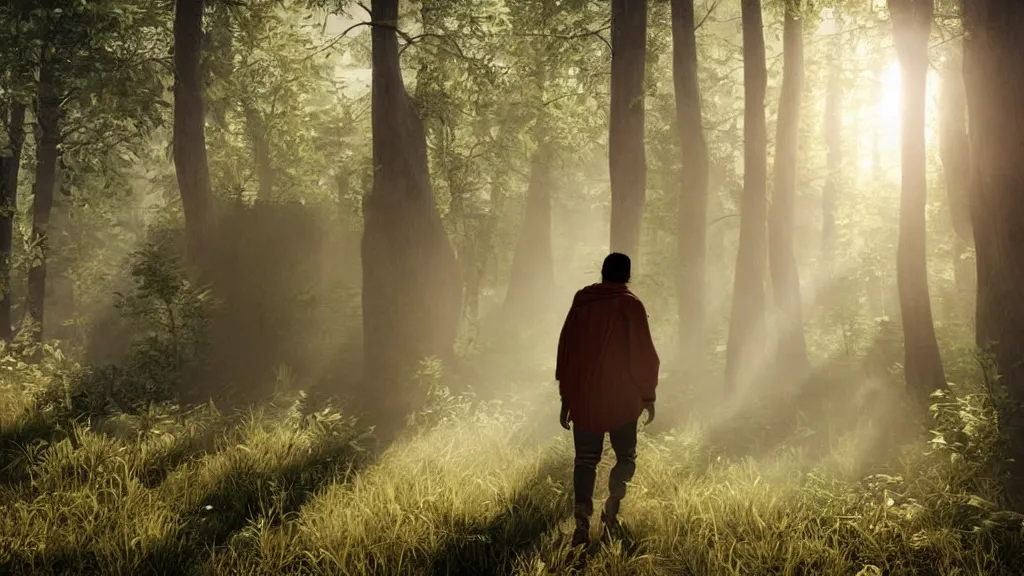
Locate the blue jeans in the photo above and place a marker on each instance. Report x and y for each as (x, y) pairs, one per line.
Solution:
(589, 446)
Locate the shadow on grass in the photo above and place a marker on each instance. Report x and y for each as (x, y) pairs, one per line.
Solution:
(16, 447)
(241, 497)
(23, 444)
(185, 449)
(245, 496)
(480, 546)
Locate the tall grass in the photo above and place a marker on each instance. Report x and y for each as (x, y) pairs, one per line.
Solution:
(474, 488)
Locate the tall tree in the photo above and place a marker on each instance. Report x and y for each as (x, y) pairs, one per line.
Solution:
(48, 112)
(450, 118)
(954, 151)
(993, 71)
(693, 194)
(554, 101)
(791, 353)
(190, 160)
(80, 67)
(13, 81)
(833, 126)
(922, 366)
(533, 271)
(411, 281)
(219, 46)
(627, 156)
(10, 166)
(745, 350)
(954, 148)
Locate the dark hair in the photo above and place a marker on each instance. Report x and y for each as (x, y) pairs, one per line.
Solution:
(615, 268)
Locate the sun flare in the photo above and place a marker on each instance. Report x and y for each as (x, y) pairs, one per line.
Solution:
(884, 114)
(887, 108)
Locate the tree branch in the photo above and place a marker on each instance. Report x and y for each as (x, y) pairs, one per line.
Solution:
(720, 218)
(707, 15)
(585, 34)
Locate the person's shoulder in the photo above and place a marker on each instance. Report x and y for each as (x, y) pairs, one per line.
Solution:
(578, 296)
(582, 292)
(633, 301)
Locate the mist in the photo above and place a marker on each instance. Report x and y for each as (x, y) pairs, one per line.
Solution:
(284, 282)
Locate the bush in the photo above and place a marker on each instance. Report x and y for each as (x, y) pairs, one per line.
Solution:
(168, 316)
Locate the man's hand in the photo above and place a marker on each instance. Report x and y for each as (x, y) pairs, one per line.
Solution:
(649, 406)
(563, 416)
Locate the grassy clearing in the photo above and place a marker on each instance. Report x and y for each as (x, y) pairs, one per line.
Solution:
(479, 488)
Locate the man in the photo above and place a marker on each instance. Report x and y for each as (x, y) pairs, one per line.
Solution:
(607, 373)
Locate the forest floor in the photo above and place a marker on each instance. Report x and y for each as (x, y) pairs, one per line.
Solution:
(472, 488)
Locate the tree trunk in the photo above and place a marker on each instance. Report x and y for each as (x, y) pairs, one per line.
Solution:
(533, 274)
(994, 79)
(954, 151)
(48, 120)
(745, 352)
(791, 364)
(877, 90)
(693, 195)
(923, 364)
(412, 290)
(10, 167)
(257, 129)
(626, 154)
(833, 128)
(190, 161)
(532, 278)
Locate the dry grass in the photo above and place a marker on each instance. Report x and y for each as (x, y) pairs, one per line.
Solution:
(481, 489)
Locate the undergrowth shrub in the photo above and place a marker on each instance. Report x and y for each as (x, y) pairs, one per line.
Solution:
(440, 405)
(966, 440)
(169, 317)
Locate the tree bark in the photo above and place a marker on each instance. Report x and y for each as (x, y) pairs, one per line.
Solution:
(922, 366)
(190, 160)
(877, 90)
(693, 195)
(10, 167)
(833, 128)
(48, 125)
(954, 151)
(994, 79)
(954, 148)
(745, 352)
(532, 277)
(791, 363)
(626, 153)
(533, 272)
(412, 290)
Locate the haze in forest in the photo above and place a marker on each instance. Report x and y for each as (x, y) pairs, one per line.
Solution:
(515, 114)
(378, 213)
(286, 91)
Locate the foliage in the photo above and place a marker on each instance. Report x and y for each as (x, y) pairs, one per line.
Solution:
(441, 405)
(967, 433)
(273, 84)
(169, 317)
